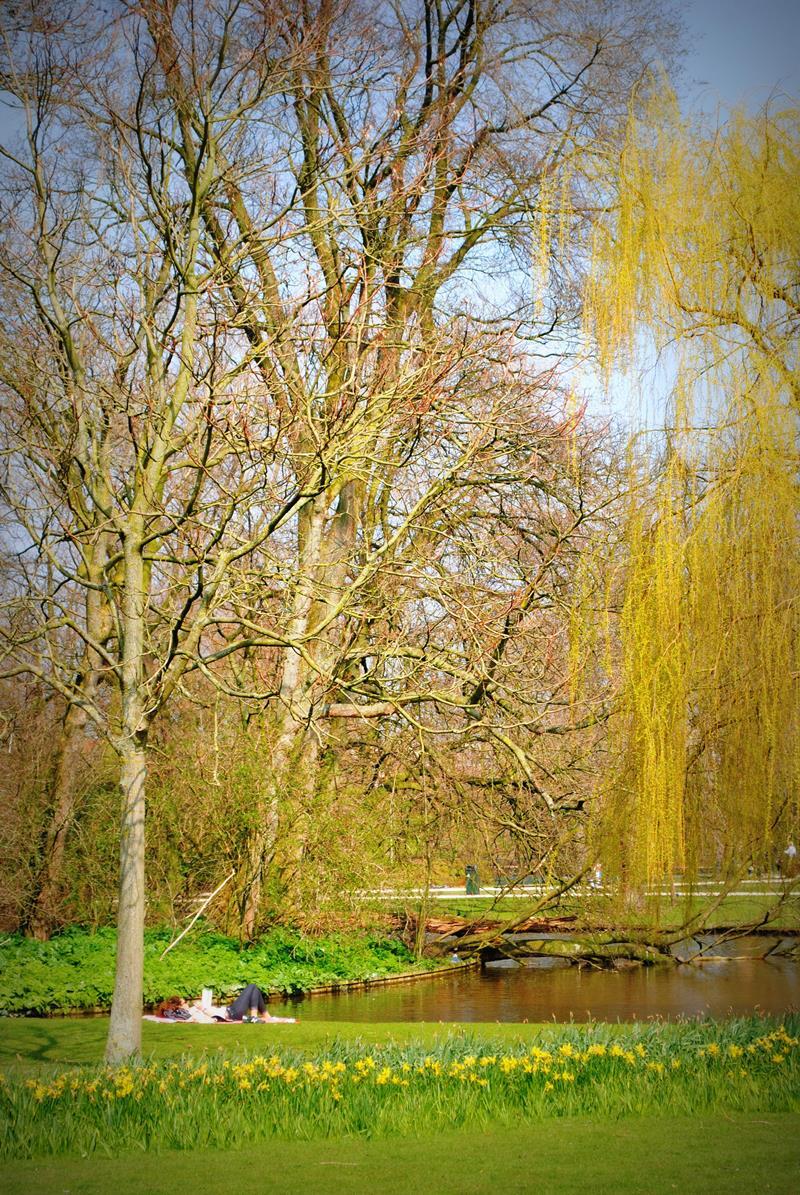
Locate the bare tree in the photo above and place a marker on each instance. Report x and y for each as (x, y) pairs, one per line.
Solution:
(374, 220)
(269, 364)
(128, 443)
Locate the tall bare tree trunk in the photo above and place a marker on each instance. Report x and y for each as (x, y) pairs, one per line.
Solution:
(264, 836)
(125, 1030)
(39, 920)
(292, 721)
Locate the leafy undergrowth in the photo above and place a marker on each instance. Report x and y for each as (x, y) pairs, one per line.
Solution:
(352, 1089)
(75, 970)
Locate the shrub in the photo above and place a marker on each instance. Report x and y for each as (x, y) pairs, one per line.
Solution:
(74, 971)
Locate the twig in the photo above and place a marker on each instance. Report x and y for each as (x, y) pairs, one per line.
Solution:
(202, 909)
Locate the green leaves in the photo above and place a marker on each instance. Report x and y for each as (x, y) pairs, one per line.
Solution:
(75, 970)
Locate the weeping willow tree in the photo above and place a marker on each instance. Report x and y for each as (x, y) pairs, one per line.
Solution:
(702, 258)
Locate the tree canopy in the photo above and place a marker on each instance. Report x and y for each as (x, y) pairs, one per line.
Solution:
(702, 254)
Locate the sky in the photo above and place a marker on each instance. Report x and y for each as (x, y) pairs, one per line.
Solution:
(741, 51)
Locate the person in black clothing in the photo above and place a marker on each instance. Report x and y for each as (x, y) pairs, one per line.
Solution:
(251, 998)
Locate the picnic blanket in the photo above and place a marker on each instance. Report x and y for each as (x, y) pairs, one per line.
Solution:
(170, 1021)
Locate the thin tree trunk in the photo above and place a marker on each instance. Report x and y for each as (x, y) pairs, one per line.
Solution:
(260, 849)
(282, 776)
(125, 1030)
(292, 721)
(40, 920)
(40, 917)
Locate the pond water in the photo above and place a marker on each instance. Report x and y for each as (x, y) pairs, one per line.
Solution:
(509, 992)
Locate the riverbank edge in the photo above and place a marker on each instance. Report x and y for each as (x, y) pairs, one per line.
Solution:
(342, 985)
(274, 997)
(382, 980)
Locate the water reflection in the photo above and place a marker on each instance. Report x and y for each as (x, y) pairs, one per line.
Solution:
(507, 992)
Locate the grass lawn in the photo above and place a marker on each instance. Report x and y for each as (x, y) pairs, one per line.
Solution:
(30, 1043)
(27, 1041)
(717, 1155)
(613, 1150)
(593, 909)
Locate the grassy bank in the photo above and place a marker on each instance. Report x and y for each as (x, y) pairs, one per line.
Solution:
(74, 971)
(356, 1088)
(714, 1154)
(595, 909)
(33, 1046)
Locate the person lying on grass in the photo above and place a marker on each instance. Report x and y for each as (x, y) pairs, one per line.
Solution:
(249, 1005)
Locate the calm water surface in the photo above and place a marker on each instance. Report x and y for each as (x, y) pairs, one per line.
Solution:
(506, 992)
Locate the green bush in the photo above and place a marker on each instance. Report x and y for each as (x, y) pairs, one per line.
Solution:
(74, 971)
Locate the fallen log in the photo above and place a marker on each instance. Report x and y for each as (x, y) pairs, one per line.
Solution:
(604, 950)
(603, 953)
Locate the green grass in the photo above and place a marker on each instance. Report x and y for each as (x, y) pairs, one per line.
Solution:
(745, 910)
(717, 1155)
(593, 909)
(27, 1043)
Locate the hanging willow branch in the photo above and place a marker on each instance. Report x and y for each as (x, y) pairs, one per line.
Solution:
(702, 254)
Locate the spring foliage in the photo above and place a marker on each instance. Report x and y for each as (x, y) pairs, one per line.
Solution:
(702, 254)
(74, 971)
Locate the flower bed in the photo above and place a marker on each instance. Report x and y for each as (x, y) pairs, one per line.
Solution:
(220, 1102)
